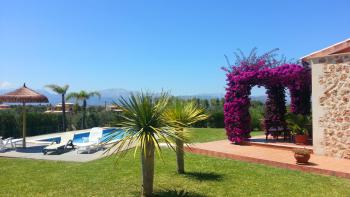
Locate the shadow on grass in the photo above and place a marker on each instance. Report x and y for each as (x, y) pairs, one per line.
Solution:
(204, 176)
(176, 193)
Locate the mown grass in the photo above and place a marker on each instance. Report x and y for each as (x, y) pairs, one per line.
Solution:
(206, 176)
(211, 134)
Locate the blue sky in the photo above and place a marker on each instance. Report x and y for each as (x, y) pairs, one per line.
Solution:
(154, 45)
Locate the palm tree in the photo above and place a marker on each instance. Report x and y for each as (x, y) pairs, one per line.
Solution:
(62, 90)
(83, 96)
(182, 114)
(144, 125)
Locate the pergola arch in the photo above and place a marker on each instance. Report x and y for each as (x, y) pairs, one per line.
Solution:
(242, 78)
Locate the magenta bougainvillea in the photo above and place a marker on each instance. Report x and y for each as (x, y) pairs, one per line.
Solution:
(241, 78)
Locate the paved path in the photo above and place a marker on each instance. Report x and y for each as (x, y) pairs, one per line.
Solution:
(35, 147)
(273, 156)
(35, 152)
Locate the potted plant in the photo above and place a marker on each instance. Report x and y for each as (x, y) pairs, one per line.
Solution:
(298, 125)
(302, 155)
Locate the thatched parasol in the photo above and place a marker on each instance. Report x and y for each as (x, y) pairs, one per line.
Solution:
(23, 95)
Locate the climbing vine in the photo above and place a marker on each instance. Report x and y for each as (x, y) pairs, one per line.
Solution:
(275, 76)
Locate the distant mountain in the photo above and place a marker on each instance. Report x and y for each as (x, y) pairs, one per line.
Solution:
(112, 95)
(109, 96)
(203, 96)
(261, 98)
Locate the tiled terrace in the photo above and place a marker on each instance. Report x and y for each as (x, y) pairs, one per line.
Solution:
(274, 156)
(280, 143)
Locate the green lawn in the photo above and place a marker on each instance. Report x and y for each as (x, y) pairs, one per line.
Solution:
(206, 176)
(211, 134)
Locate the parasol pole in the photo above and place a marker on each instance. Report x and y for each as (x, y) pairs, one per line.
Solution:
(24, 125)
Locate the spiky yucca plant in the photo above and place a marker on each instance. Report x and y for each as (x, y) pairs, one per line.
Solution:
(182, 114)
(143, 126)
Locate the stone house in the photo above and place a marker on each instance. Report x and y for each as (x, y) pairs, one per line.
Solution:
(331, 99)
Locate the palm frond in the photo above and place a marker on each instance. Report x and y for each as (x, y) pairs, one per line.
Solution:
(65, 88)
(143, 124)
(181, 114)
(82, 95)
(58, 89)
(184, 113)
(73, 95)
(92, 94)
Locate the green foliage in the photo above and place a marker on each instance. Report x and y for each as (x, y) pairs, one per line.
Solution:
(44, 123)
(62, 90)
(82, 95)
(37, 123)
(302, 151)
(58, 89)
(182, 114)
(144, 124)
(298, 124)
(257, 114)
(198, 135)
(10, 120)
(215, 110)
(216, 119)
(29, 108)
(9, 124)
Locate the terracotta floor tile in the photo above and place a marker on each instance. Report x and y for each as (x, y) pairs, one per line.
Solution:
(273, 156)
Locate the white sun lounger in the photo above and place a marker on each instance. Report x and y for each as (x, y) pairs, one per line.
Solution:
(8, 141)
(93, 142)
(66, 141)
(4, 143)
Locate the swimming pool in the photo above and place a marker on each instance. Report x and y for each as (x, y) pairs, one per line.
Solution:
(110, 134)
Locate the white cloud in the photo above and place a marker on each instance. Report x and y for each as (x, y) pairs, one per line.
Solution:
(5, 84)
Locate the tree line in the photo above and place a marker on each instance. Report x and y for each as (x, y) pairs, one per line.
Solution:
(93, 116)
(39, 122)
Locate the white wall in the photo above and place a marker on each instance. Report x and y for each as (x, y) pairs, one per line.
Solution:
(317, 110)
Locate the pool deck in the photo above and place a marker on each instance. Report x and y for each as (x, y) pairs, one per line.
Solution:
(273, 156)
(34, 151)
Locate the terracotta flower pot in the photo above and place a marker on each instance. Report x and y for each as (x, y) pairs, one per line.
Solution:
(302, 158)
(301, 139)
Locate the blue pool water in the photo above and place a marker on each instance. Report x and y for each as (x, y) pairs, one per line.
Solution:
(55, 139)
(107, 135)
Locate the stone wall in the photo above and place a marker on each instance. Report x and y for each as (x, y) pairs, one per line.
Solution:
(334, 99)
